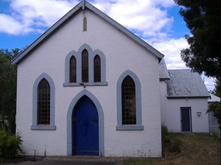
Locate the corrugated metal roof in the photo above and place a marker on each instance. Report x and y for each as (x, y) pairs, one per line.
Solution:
(164, 75)
(185, 83)
(213, 98)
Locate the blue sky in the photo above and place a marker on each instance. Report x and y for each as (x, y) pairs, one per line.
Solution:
(157, 22)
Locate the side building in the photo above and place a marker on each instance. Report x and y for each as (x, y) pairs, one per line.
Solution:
(183, 101)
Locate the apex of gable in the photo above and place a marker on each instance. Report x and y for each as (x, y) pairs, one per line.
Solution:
(83, 5)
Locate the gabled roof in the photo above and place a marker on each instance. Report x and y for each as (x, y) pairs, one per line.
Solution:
(83, 5)
(186, 84)
(164, 75)
(213, 98)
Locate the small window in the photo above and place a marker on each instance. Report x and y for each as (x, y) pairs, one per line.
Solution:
(73, 69)
(97, 69)
(44, 102)
(128, 102)
(85, 24)
(85, 66)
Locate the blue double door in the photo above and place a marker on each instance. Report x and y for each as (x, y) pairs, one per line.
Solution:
(85, 128)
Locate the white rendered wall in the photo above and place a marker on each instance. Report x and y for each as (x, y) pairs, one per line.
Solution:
(163, 102)
(121, 54)
(199, 125)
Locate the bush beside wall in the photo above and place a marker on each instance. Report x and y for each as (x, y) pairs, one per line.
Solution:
(10, 144)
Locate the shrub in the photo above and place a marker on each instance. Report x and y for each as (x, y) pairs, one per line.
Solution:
(175, 146)
(10, 144)
(164, 130)
(215, 134)
(215, 108)
(165, 138)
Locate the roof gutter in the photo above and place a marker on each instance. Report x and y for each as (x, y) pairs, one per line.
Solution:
(186, 97)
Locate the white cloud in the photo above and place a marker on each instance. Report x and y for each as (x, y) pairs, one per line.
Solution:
(164, 3)
(12, 26)
(47, 11)
(7, 21)
(171, 49)
(33, 15)
(209, 82)
(149, 18)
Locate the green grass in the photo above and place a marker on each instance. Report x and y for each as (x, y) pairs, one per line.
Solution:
(199, 149)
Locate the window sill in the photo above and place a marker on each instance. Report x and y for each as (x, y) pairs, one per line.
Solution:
(43, 127)
(85, 84)
(129, 128)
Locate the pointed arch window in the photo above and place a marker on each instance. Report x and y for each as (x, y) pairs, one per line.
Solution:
(129, 114)
(128, 101)
(44, 102)
(43, 116)
(73, 69)
(85, 66)
(97, 69)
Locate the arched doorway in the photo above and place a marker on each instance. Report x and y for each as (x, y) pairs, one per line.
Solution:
(70, 128)
(85, 133)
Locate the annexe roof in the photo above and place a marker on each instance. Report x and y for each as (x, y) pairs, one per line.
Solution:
(82, 6)
(164, 75)
(213, 98)
(186, 84)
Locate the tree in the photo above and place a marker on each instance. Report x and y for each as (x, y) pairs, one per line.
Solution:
(202, 17)
(215, 107)
(217, 89)
(8, 87)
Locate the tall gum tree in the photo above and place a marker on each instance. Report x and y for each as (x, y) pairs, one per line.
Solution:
(202, 17)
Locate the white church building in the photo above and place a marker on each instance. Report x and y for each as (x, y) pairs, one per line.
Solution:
(89, 86)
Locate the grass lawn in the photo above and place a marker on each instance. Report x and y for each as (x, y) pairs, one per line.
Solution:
(198, 149)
